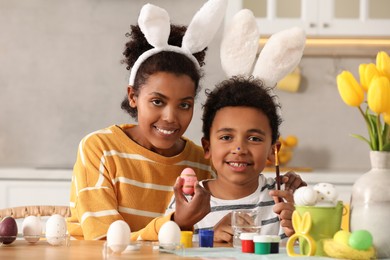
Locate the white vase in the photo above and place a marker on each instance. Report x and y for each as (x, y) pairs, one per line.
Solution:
(370, 202)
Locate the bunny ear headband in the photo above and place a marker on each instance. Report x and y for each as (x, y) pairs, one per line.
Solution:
(280, 55)
(154, 22)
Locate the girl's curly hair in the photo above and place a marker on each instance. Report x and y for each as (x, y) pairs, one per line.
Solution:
(240, 91)
(164, 61)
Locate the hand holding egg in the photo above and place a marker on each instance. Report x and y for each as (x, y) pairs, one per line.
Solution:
(190, 178)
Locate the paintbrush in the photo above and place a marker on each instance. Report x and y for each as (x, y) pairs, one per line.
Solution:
(277, 170)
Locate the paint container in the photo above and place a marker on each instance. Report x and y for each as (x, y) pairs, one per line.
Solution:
(206, 238)
(262, 244)
(247, 245)
(275, 244)
(186, 238)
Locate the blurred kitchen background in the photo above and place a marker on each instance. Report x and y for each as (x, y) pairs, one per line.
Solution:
(61, 76)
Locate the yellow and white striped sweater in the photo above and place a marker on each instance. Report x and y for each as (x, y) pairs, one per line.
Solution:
(115, 178)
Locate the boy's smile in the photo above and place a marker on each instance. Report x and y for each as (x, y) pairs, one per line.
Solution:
(239, 146)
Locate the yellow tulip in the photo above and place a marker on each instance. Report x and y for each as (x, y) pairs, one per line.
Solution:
(367, 72)
(349, 89)
(383, 63)
(386, 117)
(378, 95)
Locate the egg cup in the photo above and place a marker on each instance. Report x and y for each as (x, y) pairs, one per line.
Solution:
(63, 240)
(143, 246)
(32, 239)
(6, 240)
(172, 248)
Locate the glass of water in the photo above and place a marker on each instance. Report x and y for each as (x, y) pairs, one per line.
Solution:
(245, 221)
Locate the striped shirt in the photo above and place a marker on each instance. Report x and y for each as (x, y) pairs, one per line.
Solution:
(114, 178)
(260, 199)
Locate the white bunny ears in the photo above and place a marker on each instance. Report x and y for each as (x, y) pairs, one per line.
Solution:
(280, 55)
(154, 22)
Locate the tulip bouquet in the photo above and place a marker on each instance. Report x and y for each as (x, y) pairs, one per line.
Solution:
(373, 94)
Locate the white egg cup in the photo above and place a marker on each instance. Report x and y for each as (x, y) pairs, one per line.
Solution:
(141, 246)
(54, 241)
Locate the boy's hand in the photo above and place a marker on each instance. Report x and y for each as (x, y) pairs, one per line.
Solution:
(187, 214)
(292, 181)
(284, 209)
(223, 231)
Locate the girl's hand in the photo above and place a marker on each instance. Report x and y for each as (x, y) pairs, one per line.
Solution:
(188, 213)
(292, 181)
(223, 231)
(284, 209)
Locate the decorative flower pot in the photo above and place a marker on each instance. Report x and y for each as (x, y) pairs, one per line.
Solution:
(370, 202)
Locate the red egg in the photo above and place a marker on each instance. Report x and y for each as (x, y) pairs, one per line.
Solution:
(8, 230)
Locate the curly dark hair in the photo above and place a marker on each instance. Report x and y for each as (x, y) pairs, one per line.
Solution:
(165, 61)
(240, 91)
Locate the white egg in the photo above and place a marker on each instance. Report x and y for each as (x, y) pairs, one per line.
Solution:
(118, 236)
(326, 194)
(169, 233)
(32, 229)
(305, 196)
(56, 230)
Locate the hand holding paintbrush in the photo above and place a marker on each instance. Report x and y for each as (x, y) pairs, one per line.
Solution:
(277, 170)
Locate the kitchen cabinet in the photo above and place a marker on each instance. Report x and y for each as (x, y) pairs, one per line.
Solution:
(21, 187)
(322, 18)
(27, 187)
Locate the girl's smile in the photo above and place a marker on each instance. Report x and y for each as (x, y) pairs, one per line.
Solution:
(165, 107)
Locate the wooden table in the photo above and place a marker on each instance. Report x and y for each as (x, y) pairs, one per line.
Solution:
(78, 249)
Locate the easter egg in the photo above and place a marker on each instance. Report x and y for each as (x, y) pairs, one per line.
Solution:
(326, 194)
(118, 236)
(32, 229)
(56, 230)
(190, 178)
(305, 196)
(169, 233)
(360, 240)
(342, 237)
(8, 230)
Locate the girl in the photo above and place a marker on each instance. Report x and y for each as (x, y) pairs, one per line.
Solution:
(126, 172)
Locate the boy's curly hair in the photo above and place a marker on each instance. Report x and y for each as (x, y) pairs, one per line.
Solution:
(240, 91)
(164, 61)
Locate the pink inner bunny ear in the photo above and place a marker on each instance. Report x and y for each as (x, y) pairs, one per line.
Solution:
(204, 25)
(280, 55)
(155, 25)
(239, 44)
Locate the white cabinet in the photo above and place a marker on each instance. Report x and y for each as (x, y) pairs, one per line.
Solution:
(338, 18)
(21, 187)
(27, 187)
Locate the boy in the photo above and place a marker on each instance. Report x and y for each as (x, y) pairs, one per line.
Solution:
(240, 132)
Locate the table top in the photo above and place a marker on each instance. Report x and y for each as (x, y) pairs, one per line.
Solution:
(81, 249)
(78, 249)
